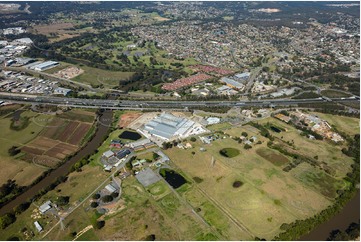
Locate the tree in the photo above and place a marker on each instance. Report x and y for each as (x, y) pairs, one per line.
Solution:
(115, 194)
(247, 146)
(96, 196)
(62, 200)
(13, 150)
(22, 207)
(150, 237)
(107, 198)
(353, 231)
(244, 134)
(155, 156)
(94, 204)
(193, 139)
(6, 220)
(99, 224)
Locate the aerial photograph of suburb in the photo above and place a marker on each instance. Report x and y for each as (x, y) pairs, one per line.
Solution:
(179, 120)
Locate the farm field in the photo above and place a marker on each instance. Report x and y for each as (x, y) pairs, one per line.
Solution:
(44, 142)
(268, 195)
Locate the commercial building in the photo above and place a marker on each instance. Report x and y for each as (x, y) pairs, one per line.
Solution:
(166, 126)
(108, 154)
(123, 153)
(141, 144)
(45, 65)
(232, 83)
(243, 76)
(62, 91)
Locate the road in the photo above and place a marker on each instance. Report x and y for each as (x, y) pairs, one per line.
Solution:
(135, 104)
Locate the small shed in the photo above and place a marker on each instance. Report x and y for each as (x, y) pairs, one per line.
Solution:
(38, 226)
(110, 188)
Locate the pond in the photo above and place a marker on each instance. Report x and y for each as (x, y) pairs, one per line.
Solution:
(275, 129)
(130, 135)
(173, 178)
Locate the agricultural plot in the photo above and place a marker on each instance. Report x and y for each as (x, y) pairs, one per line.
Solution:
(59, 138)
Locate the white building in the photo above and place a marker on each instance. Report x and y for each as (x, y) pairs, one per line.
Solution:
(213, 120)
(38, 226)
(45, 207)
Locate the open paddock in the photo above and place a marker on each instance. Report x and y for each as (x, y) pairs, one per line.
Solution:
(272, 156)
(267, 195)
(24, 173)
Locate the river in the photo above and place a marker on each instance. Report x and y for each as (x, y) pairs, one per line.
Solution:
(350, 213)
(103, 126)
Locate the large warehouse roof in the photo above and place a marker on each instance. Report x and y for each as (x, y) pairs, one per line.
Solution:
(166, 126)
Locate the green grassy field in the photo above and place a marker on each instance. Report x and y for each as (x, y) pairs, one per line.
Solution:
(334, 94)
(95, 76)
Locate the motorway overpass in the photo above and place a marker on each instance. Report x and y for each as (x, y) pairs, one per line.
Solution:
(133, 104)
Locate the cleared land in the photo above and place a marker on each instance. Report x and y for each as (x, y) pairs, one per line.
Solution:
(127, 118)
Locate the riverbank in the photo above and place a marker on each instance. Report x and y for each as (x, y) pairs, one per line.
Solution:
(350, 213)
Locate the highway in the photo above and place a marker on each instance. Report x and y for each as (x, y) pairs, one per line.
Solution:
(134, 104)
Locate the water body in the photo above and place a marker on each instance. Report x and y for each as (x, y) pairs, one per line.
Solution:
(277, 130)
(130, 135)
(63, 170)
(173, 178)
(350, 213)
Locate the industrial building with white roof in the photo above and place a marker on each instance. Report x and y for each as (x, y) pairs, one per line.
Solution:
(168, 127)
